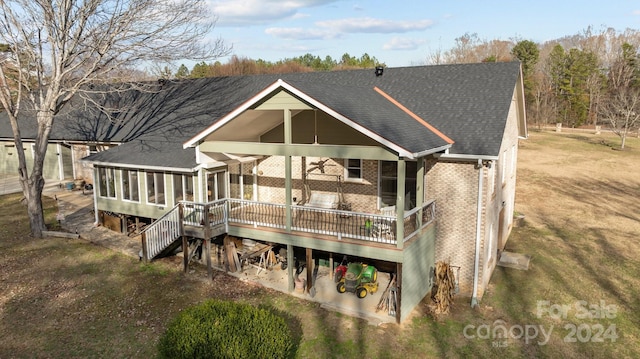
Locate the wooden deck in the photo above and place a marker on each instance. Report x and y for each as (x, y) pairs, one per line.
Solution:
(204, 220)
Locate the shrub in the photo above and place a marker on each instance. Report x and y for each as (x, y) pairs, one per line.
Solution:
(219, 329)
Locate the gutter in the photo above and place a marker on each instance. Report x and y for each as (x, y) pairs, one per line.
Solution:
(431, 151)
(141, 167)
(462, 157)
(474, 298)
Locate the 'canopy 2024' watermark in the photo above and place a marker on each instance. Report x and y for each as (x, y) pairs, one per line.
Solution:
(590, 330)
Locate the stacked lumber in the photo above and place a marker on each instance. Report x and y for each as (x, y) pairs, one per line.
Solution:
(445, 288)
(233, 262)
(389, 300)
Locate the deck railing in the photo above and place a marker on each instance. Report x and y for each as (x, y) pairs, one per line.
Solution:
(341, 224)
(196, 214)
(259, 214)
(427, 214)
(161, 233)
(363, 226)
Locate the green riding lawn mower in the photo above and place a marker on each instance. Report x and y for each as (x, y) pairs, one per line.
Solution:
(357, 278)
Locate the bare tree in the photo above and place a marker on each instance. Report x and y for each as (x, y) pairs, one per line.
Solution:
(621, 107)
(58, 48)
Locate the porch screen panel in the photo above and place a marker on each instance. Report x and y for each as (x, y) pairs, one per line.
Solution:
(234, 181)
(216, 186)
(221, 185)
(247, 181)
(389, 183)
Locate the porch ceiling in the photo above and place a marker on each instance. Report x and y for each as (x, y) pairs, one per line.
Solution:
(249, 126)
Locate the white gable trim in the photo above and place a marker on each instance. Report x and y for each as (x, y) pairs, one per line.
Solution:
(282, 84)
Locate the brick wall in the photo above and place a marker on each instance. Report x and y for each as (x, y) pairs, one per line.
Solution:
(454, 186)
(362, 196)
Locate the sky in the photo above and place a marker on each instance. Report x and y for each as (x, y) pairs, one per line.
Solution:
(402, 32)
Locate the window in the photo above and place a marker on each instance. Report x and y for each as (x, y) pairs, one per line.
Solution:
(353, 169)
(130, 189)
(512, 169)
(155, 188)
(389, 183)
(503, 167)
(106, 181)
(490, 244)
(491, 174)
(216, 186)
(182, 187)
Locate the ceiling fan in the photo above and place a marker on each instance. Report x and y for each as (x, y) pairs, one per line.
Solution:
(319, 165)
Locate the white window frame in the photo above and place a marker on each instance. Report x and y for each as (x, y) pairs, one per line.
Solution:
(183, 190)
(347, 167)
(395, 177)
(109, 174)
(155, 188)
(126, 173)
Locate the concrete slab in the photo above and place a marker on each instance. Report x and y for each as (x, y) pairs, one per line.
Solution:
(11, 184)
(514, 260)
(326, 293)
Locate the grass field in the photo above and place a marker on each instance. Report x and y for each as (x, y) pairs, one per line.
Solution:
(63, 298)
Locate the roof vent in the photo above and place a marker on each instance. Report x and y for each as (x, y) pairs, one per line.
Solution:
(379, 71)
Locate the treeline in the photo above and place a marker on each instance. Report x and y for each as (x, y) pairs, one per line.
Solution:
(245, 66)
(591, 78)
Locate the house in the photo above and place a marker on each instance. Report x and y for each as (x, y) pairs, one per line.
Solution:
(401, 167)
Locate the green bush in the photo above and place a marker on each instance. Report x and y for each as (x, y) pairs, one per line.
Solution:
(218, 329)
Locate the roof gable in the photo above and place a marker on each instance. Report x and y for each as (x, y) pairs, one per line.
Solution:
(363, 108)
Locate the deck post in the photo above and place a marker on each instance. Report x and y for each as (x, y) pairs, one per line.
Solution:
(290, 267)
(185, 244)
(400, 200)
(420, 192)
(207, 240)
(330, 265)
(145, 255)
(398, 292)
(185, 254)
(309, 269)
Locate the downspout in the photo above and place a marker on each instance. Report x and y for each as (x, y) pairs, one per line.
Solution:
(474, 298)
(95, 197)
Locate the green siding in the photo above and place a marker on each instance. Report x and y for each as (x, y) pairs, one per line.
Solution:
(283, 100)
(419, 263)
(9, 159)
(140, 208)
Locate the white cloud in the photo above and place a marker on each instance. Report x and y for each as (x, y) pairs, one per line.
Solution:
(297, 33)
(332, 29)
(371, 25)
(259, 12)
(402, 43)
